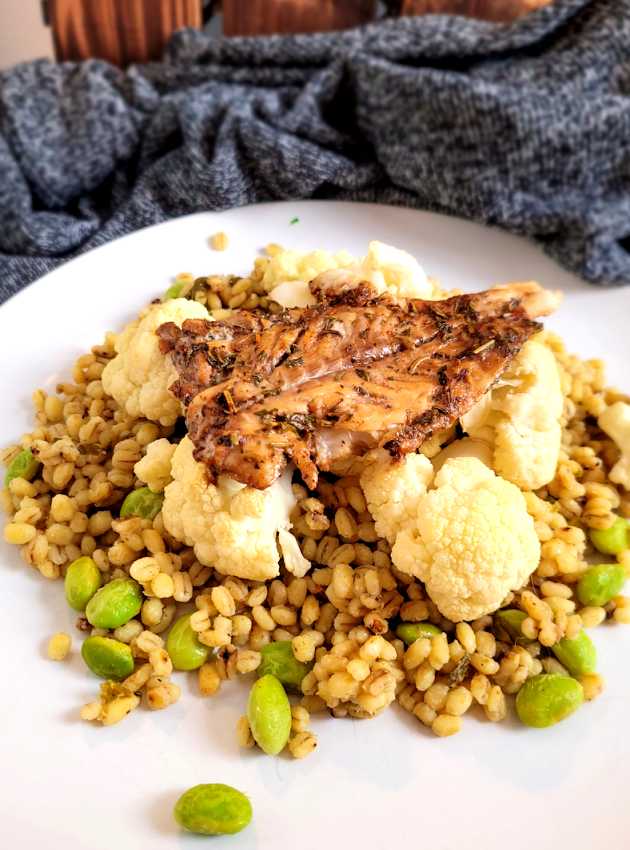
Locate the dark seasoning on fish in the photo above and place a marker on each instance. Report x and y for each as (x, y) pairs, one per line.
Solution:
(318, 385)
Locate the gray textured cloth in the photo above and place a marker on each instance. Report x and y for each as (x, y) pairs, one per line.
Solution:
(524, 126)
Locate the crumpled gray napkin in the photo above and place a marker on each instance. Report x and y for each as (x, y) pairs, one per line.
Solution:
(525, 126)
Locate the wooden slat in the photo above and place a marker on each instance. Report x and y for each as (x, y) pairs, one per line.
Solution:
(260, 17)
(488, 10)
(121, 31)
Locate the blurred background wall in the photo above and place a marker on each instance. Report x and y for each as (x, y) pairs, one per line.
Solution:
(23, 34)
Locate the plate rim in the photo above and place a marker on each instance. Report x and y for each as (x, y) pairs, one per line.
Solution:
(117, 240)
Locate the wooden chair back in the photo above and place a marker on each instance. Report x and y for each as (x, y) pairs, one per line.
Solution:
(258, 17)
(121, 31)
(126, 31)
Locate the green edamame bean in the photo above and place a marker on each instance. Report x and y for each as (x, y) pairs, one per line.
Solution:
(577, 654)
(184, 647)
(410, 632)
(83, 579)
(143, 503)
(511, 619)
(174, 290)
(213, 810)
(114, 604)
(547, 699)
(613, 540)
(107, 658)
(279, 660)
(23, 465)
(599, 584)
(269, 714)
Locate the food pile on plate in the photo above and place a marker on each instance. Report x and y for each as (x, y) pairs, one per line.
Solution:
(335, 478)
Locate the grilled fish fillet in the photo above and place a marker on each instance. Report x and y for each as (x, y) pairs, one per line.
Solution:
(355, 372)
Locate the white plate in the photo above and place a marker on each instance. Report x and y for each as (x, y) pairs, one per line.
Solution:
(386, 783)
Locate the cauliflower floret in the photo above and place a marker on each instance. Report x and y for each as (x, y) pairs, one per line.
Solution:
(232, 527)
(297, 265)
(140, 375)
(392, 490)
(396, 272)
(520, 418)
(469, 537)
(388, 269)
(154, 469)
(466, 447)
(615, 421)
(292, 293)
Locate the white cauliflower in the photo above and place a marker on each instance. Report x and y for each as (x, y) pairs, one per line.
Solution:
(392, 490)
(388, 269)
(287, 274)
(468, 537)
(615, 421)
(232, 527)
(140, 375)
(520, 418)
(292, 293)
(154, 469)
(395, 271)
(466, 447)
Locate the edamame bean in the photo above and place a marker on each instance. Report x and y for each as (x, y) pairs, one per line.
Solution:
(143, 503)
(269, 714)
(107, 658)
(613, 540)
(410, 632)
(83, 579)
(511, 619)
(184, 647)
(213, 810)
(599, 584)
(547, 699)
(279, 660)
(577, 654)
(174, 290)
(114, 604)
(23, 465)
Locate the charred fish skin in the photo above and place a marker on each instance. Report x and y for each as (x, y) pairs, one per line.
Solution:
(343, 376)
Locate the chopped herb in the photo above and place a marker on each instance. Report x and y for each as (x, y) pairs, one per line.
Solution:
(333, 326)
(459, 672)
(294, 361)
(268, 417)
(466, 309)
(294, 220)
(229, 401)
(484, 347)
(441, 321)
(301, 421)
